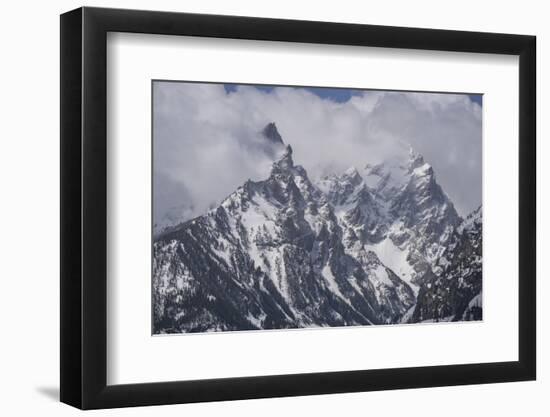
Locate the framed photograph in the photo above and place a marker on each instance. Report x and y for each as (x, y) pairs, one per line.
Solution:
(256, 208)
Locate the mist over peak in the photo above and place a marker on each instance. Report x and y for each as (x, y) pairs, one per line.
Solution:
(208, 142)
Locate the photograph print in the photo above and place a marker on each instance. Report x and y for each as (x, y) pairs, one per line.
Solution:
(286, 207)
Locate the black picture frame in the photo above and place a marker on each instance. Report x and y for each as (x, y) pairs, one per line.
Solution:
(84, 207)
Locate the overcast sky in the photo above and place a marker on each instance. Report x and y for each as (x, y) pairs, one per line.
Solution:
(205, 137)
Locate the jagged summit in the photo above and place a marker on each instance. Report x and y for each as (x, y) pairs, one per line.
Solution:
(272, 134)
(391, 176)
(415, 159)
(286, 252)
(288, 151)
(271, 141)
(285, 161)
(344, 190)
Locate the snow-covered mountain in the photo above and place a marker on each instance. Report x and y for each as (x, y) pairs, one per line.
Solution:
(374, 245)
(454, 290)
(266, 142)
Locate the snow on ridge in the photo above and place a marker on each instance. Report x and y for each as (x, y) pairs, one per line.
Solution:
(277, 238)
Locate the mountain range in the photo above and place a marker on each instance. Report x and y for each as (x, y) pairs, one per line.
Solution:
(377, 244)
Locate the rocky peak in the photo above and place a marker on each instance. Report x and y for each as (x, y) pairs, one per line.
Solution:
(285, 162)
(391, 175)
(282, 253)
(415, 159)
(271, 133)
(343, 188)
(271, 141)
(291, 180)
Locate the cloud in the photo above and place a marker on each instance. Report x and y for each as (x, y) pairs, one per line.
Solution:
(206, 138)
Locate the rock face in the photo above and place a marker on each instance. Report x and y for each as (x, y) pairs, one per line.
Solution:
(379, 245)
(453, 292)
(272, 135)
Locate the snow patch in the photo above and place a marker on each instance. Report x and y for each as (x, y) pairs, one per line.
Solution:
(395, 259)
(381, 276)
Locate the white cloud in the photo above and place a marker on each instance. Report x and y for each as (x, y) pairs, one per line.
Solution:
(205, 140)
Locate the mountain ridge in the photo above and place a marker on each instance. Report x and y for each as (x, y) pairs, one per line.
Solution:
(285, 252)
